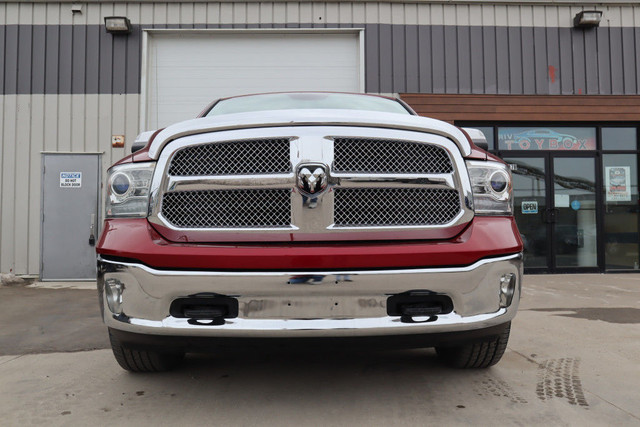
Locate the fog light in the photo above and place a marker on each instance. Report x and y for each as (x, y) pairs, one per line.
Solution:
(113, 290)
(507, 289)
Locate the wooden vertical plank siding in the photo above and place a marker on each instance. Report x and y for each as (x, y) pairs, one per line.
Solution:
(551, 108)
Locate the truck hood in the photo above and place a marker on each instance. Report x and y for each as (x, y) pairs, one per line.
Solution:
(284, 118)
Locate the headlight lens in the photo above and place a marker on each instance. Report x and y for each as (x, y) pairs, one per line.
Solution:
(491, 185)
(120, 184)
(128, 190)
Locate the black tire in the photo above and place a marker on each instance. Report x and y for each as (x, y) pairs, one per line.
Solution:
(134, 360)
(476, 354)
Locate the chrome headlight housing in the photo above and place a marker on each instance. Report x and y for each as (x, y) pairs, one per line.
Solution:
(492, 187)
(128, 190)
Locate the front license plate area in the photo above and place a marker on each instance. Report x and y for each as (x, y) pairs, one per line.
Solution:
(312, 307)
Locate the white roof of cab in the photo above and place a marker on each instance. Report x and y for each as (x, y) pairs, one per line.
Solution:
(311, 117)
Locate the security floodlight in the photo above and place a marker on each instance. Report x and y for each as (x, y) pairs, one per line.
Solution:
(117, 24)
(587, 19)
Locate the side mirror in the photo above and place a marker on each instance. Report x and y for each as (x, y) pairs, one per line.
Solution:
(484, 145)
(477, 137)
(141, 141)
(137, 146)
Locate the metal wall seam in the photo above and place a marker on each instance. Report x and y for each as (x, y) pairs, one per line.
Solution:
(516, 60)
(477, 60)
(528, 75)
(412, 53)
(8, 190)
(437, 59)
(553, 60)
(615, 59)
(22, 177)
(629, 63)
(604, 67)
(2, 145)
(37, 136)
(637, 52)
(502, 59)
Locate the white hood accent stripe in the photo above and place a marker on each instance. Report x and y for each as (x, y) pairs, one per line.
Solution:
(284, 118)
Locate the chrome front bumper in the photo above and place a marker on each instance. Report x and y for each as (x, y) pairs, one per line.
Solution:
(310, 304)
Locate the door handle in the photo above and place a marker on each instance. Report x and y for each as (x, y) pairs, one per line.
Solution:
(92, 232)
(550, 215)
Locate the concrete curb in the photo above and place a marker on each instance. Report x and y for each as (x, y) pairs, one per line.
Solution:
(12, 280)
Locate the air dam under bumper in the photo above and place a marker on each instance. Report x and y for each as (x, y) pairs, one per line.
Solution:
(310, 304)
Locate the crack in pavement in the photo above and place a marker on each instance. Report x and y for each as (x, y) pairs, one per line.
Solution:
(612, 404)
(11, 360)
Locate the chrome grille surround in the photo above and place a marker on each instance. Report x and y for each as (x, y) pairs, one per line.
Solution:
(321, 217)
(373, 155)
(251, 156)
(369, 207)
(228, 208)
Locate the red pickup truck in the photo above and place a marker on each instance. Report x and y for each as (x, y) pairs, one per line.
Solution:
(308, 217)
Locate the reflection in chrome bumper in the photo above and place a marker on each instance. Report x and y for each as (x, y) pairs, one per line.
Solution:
(309, 304)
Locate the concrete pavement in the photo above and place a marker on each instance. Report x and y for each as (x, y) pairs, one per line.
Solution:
(573, 359)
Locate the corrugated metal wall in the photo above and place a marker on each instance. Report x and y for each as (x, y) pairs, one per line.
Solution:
(31, 124)
(409, 47)
(76, 59)
(67, 85)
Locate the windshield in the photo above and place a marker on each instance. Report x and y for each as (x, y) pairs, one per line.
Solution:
(297, 101)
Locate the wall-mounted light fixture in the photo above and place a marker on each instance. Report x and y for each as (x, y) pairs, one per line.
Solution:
(117, 24)
(587, 19)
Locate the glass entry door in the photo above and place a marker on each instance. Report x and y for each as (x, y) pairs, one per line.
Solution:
(575, 231)
(555, 203)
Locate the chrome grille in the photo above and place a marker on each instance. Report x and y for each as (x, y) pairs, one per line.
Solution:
(228, 208)
(376, 207)
(381, 184)
(244, 157)
(369, 155)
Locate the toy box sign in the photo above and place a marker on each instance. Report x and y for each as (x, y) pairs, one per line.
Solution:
(528, 139)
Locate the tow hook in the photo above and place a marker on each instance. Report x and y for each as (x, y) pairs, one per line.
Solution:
(418, 303)
(210, 310)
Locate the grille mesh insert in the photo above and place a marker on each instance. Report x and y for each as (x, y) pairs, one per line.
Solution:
(228, 208)
(377, 207)
(367, 155)
(245, 157)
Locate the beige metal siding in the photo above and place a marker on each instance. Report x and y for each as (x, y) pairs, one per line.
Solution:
(35, 123)
(414, 13)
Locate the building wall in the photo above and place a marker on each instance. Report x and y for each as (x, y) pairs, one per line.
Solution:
(67, 85)
(409, 47)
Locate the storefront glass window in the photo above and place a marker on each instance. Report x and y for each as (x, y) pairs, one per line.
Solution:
(551, 138)
(619, 139)
(576, 193)
(621, 211)
(530, 205)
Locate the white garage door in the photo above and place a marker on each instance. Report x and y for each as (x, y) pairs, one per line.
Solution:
(184, 71)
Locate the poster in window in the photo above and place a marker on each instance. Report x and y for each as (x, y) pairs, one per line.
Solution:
(618, 183)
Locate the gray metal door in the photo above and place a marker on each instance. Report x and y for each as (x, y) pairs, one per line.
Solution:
(70, 203)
